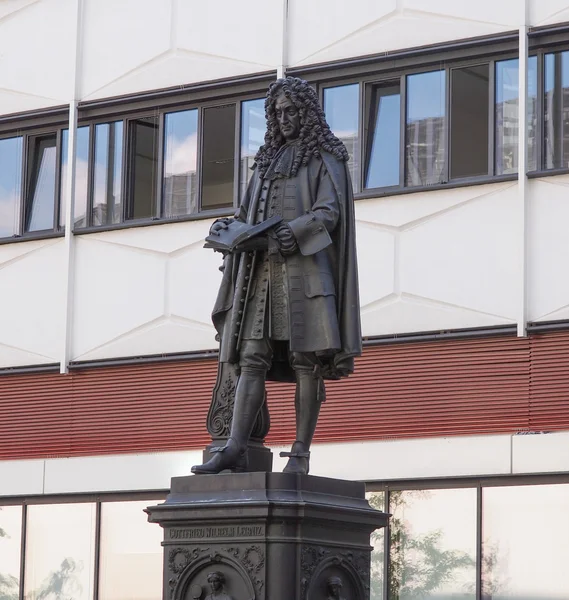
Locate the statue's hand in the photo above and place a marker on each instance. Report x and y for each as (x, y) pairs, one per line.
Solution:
(286, 239)
(219, 225)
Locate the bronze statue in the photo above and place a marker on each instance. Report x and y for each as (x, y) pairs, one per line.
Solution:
(334, 585)
(217, 581)
(288, 304)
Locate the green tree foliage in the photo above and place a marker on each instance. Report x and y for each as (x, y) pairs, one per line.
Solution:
(418, 565)
(62, 584)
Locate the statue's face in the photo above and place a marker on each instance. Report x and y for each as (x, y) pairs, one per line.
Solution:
(215, 584)
(288, 118)
(334, 590)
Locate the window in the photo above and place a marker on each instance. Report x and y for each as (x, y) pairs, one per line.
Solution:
(10, 185)
(341, 105)
(84, 550)
(60, 550)
(169, 164)
(436, 126)
(180, 163)
(107, 176)
(425, 152)
(10, 550)
(131, 553)
(40, 202)
(469, 117)
(252, 138)
(556, 111)
(383, 165)
(218, 157)
(506, 107)
(143, 168)
(30, 184)
(81, 174)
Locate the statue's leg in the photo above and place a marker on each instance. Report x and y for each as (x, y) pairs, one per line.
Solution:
(310, 393)
(255, 360)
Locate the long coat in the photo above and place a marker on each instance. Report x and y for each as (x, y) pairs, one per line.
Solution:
(322, 277)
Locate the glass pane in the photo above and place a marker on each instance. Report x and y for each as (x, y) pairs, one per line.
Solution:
(41, 194)
(180, 163)
(107, 179)
(60, 552)
(81, 176)
(342, 108)
(144, 144)
(131, 553)
(525, 535)
(10, 536)
(469, 121)
(532, 140)
(556, 125)
(253, 127)
(385, 131)
(425, 125)
(218, 156)
(507, 97)
(377, 500)
(432, 544)
(10, 185)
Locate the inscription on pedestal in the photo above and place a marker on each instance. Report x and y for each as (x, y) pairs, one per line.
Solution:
(215, 532)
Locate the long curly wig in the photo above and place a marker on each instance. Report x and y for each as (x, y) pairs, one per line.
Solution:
(314, 130)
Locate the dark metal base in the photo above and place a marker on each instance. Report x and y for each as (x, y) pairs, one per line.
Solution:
(260, 457)
(266, 536)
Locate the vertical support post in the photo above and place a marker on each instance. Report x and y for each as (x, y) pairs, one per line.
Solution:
(522, 177)
(69, 186)
(281, 69)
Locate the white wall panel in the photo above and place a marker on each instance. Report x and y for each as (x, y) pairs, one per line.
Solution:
(144, 291)
(548, 12)
(453, 260)
(548, 249)
(31, 319)
(37, 40)
(374, 27)
(465, 256)
(151, 44)
(249, 31)
(119, 37)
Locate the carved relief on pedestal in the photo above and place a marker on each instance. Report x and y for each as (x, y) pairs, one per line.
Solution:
(331, 575)
(202, 573)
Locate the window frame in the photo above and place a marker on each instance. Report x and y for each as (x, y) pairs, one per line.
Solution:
(159, 103)
(29, 126)
(392, 73)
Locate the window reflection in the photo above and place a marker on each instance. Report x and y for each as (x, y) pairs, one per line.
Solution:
(425, 125)
(144, 145)
(10, 535)
(218, 157)
(180, 163)
(60, 545)
(342, 108)
(107, 195)
(385, 116)
(432, 544)
(521, 561)
(556, 118)
(252, 137)
(131, 553)
(40, 202)
(377, 501)
(81, 175)
(506, 115)
(10, 185)
(469, 121)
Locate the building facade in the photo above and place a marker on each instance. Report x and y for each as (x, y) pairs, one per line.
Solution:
(127, 127)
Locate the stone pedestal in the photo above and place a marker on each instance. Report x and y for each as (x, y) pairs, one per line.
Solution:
(266, 536)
